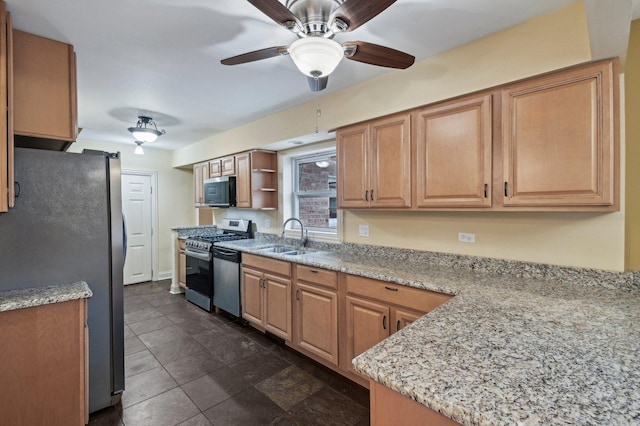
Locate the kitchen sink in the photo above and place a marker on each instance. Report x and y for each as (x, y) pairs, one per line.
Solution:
(279, 250)
(287, 251)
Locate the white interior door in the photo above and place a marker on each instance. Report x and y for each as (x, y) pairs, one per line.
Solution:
(136, 205)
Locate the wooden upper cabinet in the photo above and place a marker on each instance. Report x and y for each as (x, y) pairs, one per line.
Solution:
(391, 162)
(200, 174)
(374, 164)
(256, 180)
(559, 140)
(243, 180)
(215, 168)
(453, 154)
(353, 166)
(228, 166)
(44, 83)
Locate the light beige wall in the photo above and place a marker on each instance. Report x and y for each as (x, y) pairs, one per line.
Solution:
(544, 44)
(175, 191)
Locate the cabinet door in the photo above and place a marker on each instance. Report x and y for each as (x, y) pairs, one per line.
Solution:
(402, 317)
(6, 150)
(182, 269)
(252, 302)
(390, 167)
(453, 154)
(228, 166)
(367, 324)
(44, 88)
(277, 318)
(243, 180)
(559, 142)
(317, 321)
(197, 184)
(353, 167)
(215, 168)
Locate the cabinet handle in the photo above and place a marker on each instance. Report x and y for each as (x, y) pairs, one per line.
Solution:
(486, 190)
(372, 195)
(390, 288)
(261, 283)
(384, 322)
(313, 271)
(366, 195)
(298, 294)
(506, 191)
(398, 325)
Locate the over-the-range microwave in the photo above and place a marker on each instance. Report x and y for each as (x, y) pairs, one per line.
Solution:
(220, 191)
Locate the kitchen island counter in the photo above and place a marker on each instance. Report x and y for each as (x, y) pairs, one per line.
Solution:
(506, 349)
(37, 296)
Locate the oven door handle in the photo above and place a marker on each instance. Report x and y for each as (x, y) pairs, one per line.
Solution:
(197, 255)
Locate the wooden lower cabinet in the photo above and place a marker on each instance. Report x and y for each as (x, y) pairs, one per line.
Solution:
(402, 317)
(266, 295)
(389, 408)
(377, 309)
(277, 301)
(367, 324)
(317, 321)
(44, 365)
(252, 297)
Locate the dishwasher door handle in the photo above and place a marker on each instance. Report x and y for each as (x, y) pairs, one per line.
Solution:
(224, 251)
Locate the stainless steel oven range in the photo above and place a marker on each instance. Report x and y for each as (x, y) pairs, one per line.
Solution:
(200, 263)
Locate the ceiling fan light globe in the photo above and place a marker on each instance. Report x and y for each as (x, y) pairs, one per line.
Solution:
(313, 55)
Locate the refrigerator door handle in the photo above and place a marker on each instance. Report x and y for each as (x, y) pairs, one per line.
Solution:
(124, 239)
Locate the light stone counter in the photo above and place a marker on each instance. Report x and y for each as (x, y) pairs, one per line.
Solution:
(36, 296)
(506, 349)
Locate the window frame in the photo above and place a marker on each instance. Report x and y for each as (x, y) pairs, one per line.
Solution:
(331, 234)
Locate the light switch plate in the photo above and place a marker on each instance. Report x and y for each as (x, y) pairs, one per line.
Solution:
(267, 223)
(363, 230)
(463, 237)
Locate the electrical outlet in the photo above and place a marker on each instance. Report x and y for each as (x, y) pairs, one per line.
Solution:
(463, 237)
(363, 230)
(267, 223)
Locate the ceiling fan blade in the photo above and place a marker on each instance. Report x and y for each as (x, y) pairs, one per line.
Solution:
(275, 10)
(374, 54)
(256, 55)
(317, 84)
(358, 12)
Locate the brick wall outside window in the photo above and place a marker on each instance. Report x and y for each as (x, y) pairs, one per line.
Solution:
(315, 211)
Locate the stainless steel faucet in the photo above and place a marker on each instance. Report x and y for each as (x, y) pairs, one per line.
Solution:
(304, 234)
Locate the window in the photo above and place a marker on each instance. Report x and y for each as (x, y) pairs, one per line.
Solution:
(314, 191)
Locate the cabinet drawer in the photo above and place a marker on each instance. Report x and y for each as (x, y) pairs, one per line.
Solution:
(272, 265)
(420, 300)
(317, 276)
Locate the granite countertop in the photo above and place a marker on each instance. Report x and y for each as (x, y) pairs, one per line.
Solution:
(36, 296)
(506, 350)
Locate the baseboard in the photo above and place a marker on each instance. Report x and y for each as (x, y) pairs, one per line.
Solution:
(164, 275)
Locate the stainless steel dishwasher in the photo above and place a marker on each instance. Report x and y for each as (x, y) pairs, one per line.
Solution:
(226, 280)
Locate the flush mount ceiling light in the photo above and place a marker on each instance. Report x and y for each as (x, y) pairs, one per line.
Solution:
(316, 56)
(322, 164)
(138, 149)
(143, 133)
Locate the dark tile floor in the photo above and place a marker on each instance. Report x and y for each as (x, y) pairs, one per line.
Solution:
(184, 366)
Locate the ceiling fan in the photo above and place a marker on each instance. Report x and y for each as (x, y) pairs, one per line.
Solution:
(316, 23)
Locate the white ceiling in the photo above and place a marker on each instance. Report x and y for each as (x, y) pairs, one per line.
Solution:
(162, 57)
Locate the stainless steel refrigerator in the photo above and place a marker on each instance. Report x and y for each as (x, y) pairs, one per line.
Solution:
(67, 226)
